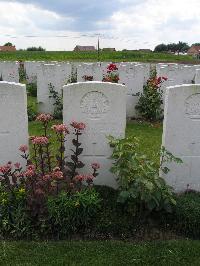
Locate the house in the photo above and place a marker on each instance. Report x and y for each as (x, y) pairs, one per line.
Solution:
(80, 48)
(7, 48)
(108, 50)
(194, 50)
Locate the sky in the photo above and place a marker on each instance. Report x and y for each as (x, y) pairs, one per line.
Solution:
(123, 24)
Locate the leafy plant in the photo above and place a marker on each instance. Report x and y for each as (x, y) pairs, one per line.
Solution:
(58, 102)
(32, 89)
(140, 185)
(150, 101)
(72, 212)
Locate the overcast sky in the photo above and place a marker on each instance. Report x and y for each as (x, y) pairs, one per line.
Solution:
(123, 24)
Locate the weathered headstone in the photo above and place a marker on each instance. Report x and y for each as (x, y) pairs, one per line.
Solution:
(50, 76)
(133, 76)
(9, 71)
(102, 107)
(13, 121)
(181, 135)
(92, 70)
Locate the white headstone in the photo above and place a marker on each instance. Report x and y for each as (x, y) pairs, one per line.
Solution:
(181, 135)
(89, 69)
(50, 75)
(13, 121)
(102, 107)
(197, 76)
(133, 76)
(9, 71)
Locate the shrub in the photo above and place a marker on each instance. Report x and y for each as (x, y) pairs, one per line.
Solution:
(70, 213)
(186, 216)
(31, 112)
(32, 89)
(58, 102)
(141, 188)
(150, 101)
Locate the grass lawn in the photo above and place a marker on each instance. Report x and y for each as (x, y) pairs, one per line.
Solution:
(173, 253)
(92, 56)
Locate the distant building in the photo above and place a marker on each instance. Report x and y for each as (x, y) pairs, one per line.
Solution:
(108, 50)
(7, 49)
(145, 50)
(194, 50)
(80, 48)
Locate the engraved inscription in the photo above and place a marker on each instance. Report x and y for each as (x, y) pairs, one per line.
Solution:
(3, 97)
(95, 104)
(192, 106)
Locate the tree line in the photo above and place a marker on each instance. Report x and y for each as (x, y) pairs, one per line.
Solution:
(180, 47)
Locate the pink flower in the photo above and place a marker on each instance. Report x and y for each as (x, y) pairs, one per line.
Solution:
(89, 178)
(44, 117)
(95, 166)
(4, 169)
(57, 175)
(39, 140)
(82, 177)
(165, 78)
(78, 125)
(29, 173)
(47, 178)
(62, 128)
(17, 165)
(31, 167)
(23, 148)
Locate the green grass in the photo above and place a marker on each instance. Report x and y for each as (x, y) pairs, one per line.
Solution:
(87, 253)
(149, 135)
(92, 56)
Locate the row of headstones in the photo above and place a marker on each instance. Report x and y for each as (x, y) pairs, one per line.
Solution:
(102, 107)
(133, 75)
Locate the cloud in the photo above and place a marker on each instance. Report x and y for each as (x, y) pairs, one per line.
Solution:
(129, 24)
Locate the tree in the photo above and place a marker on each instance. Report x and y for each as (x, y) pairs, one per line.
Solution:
(172, 47)
(8, 44)
(35, 49)
(196, 44)
(161, 48)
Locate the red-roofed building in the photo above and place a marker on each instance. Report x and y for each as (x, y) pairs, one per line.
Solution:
(7, 48)
(194, 50)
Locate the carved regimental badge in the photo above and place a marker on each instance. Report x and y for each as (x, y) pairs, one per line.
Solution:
(95, 104)
(192, 106)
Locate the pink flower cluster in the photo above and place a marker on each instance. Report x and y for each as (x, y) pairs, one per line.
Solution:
(39, 140)
(23, 148)
(61, 129)
(95, 166)
(44, 117)
(30, 171)
(6, 168)
(57, 174)
(83, 177)
(78, 125)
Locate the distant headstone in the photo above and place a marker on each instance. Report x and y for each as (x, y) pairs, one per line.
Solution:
(90, 70)
(9, 71)
(102, 107)
(181, 135)
(13, 121)
(51, 76)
